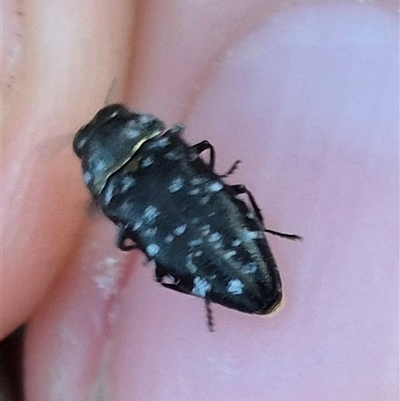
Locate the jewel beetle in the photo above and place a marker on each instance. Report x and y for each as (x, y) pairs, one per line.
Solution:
(205, 239)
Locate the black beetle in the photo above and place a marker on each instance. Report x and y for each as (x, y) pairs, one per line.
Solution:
(171, 204)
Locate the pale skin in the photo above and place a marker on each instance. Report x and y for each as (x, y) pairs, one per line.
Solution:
(305, 95)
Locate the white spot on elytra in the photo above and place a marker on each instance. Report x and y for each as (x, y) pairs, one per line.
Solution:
(108, 194)
(236, 242)
(205, 230)
(152, 249)
(214, 186)
(137, 225)
(175, 185)
(132, 133)
(195, 220)
(217, 245)
(229, 254)
(214, 237)
(162, 142)
(235, 287)
(198, 180)
(179, 230)
(169, 238)
(249, 268)
(200, 287)
(250, 235)
(127, 182)
(198, 253)
(151, 232)
(194, 191)
(195, 242)
(205, 199)
(189, 263)
(173, 155)
(99, 166)
(150, 214)
(147, 161)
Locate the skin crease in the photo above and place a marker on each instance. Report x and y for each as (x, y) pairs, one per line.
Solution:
(303, 94)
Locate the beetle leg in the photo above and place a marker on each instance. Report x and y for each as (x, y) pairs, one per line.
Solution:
(165, 279)
(241, 189)
(122, 239)
(168, 281)
(172, 286)
(209, 314)
(162, 277)
(233, 168)
(201, 147)
(284, 235)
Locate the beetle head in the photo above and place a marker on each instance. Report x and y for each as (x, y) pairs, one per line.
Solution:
(110, 140)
